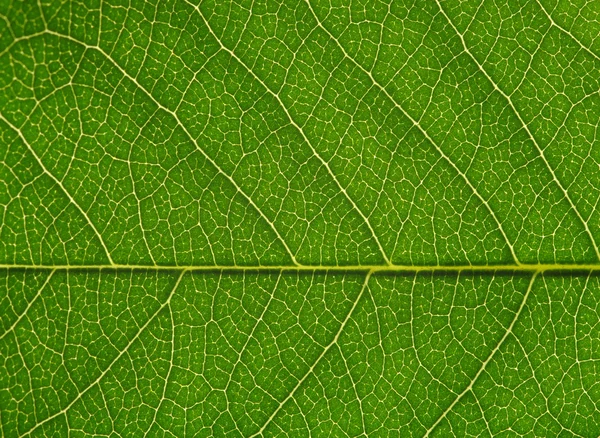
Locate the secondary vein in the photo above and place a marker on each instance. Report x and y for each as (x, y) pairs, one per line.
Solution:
(489, 358)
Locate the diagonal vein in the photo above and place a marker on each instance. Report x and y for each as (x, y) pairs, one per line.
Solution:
(489, 358)
(421, 129)
(298, 128)
(565, 31)
(59, 184)
(115, 360)
(187, 132)
(250, 337)
(529, 133)
(537, 379)
(22, 315)
(319, 358)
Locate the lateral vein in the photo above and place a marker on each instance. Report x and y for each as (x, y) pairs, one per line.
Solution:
(489, 358)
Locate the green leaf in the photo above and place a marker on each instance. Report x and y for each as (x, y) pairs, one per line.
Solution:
(299, 218)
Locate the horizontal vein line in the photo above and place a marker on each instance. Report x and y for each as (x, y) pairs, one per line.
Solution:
(556, 267)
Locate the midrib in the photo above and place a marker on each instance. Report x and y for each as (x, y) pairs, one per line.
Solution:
(548, 267)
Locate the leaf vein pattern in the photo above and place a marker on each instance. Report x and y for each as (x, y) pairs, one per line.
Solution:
(297, 127)
(422, 130)
(59, 184)
(565, 31)
(352, 350)
(115, 360)
(29, 304)
(320, 357)
(489, 358)
(182, 126)
(539, 149)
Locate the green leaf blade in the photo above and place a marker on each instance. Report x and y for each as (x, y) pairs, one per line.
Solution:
(299, 219)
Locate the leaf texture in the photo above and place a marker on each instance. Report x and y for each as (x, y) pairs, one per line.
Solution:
(299, 218)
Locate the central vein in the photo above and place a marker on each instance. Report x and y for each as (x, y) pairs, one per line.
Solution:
(554, 267)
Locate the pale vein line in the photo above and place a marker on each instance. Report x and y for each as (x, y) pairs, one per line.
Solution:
(17, 40)
(576, 316)
(537, 381)
(489, 358)
(168, 376)
(485, 421)
(22, 315)
(420, 128)
(298, 128)
(58, 183)
(537, 268)
(415, 344)
(353, 382)
(134, 189)
(529, 133)
(559, 27)
(250, 337)
(319, 358)
(524, 267)
(182, 126)
(115, 360)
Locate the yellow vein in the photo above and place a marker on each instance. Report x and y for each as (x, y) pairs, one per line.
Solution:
(523, 267)
(565, 31)
(298, 128)
(529, 133)
(110, 365)
(420, 128)
(187, 132)
(319, 358)
(59, 184)
(489, 358)
(26, 310)
(17, 40)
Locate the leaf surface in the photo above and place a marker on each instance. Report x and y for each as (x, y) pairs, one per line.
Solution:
(299, 218)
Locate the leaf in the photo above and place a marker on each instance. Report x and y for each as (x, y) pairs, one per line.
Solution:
(299, 218)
